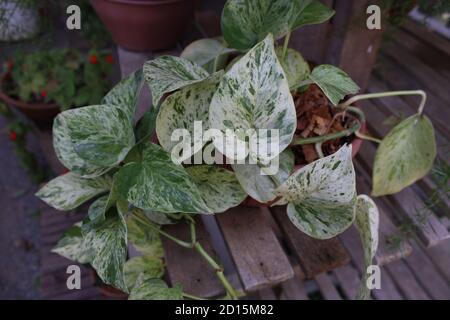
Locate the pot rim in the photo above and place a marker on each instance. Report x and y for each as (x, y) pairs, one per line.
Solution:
(144, 2)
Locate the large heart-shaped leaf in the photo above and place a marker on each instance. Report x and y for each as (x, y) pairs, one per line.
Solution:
(211, 54)
(179, 112)
(262, 187)
(108, 241)
(158, 184)
(125, 94)
(154, 289)
(254, 94)
(367, 221)
(68, 191)
(219, 187)
(321, 195)
(167, 73)
(404, 156)
(144, 238)
(294, 66)
(334, 82)
(91, 140)
(151, 267)
(71, 246)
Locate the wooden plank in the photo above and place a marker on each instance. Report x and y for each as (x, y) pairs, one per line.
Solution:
(55, 283)
(406, 281)
(440, 255)
(293, 289)
(267, 294)
(257, 254)
(348, 279)
(326, 286)
(186, 266)
(315, 256)
(91, 293)
(46, 143)
(431, 38)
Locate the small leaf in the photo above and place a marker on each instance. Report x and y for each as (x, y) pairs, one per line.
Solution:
(68, 191)
(158, 184)
(334, 82)
(207, 53)
(145, 239)
(314, 13)
(167, 73)
(294, 66)
(71, 246)
(154, 289)
(254, 94)
(321, 195)
(151, 267)
(181, 109)
(263, 187)
(405, 155)
(219, 187)
(367, 222)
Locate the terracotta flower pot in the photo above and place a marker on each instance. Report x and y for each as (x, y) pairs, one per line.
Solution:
(41, 113)
(144, 25)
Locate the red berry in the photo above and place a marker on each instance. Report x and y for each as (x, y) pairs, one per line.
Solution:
(109, 59)
(43, 93)
(93, 59)
(10, 65)
(12, 135)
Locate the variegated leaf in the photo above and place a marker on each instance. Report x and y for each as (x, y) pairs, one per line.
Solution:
(181, 109)
(321, 195)
(294, 66)
(161, 218)
(167, 73)
(68, 191)
(367, 222)
(334, 82)
(125, 94)
(71, 246)
(247, 22)
(144, 238)
(211, 54)
(158, 184)
(263, 187)
(253, 95)
(404, 156)
(91, 140)
(151, 267)
(154, 289)
(310, 12)
(219, 187)
(146, 125)
(108, 241)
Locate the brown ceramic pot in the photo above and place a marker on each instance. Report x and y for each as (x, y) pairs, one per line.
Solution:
(144, 25)
(40, 113)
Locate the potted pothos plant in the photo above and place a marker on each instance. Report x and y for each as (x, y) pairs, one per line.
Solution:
(242, 82)
(42, 83)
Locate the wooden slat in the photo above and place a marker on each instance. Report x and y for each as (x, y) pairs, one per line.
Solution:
(326, 286)
(267, 294)
(293, 289)
(348, 279)
(257, 254)
(186, 266)
(440, 255)
(429, 37)
(406, 281)
(315, 256)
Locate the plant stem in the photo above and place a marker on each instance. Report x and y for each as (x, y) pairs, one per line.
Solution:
(192, 297)
(367, 137)
(285, 45)
(319, 151)
(388, 94)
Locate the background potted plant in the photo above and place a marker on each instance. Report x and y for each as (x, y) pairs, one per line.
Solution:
(42, 83)
(144, 187)
(146, 24)
(19, 19)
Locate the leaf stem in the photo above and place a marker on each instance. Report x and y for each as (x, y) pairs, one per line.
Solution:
(367, 137)
(285, 45)
(421, 93)
(319, 151)
(192, 297)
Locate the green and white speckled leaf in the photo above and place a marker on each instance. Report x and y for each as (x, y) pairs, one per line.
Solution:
(366, 221)
(154, 289)
(254, 94)
(294, 66)
(321, 195)
(91, 140)
(108, 241)
(146, 125)
(262, 187)
(125, 94)
(247, 22)
(211, 54)
(167, 73)
(158, 184)
(145, 239)
(404, 156)
(219, 187)
(181, 109)
(334, 82)
(313, 12)
(71, 246)
(151, 267)
(68, 191)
